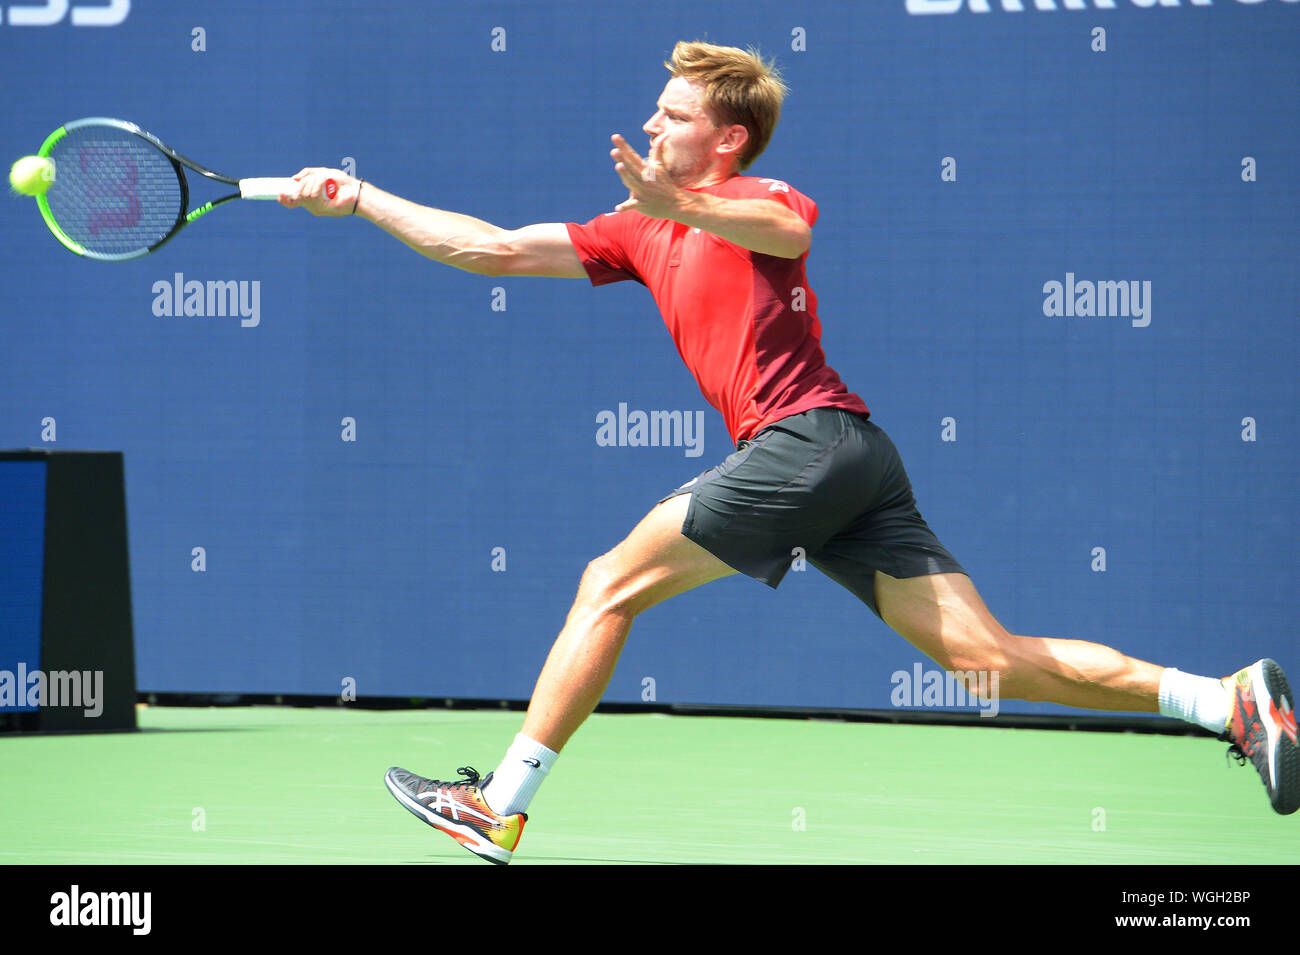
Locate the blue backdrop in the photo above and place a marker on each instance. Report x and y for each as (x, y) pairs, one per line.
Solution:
(1127, 477)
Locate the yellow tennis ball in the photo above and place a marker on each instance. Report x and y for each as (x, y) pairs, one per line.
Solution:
(32, 175)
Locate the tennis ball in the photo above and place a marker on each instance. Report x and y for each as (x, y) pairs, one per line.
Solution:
(32, 175)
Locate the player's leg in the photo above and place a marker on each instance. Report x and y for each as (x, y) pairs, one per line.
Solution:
(893, 562)
(652, 563)
(734, 510)
(944, 617)
(888, 556)
(743, 516)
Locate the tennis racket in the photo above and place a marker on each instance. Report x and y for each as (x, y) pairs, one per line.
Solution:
(119, 192)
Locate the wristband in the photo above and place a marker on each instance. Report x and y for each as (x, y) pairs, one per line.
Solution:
(360, 183)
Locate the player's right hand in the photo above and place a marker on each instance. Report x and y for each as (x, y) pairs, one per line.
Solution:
(314, 196)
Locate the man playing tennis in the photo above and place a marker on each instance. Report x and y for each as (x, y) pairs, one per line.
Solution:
(723, 255)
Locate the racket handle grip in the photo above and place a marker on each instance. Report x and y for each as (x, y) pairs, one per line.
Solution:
(273, 187)
(267, 188)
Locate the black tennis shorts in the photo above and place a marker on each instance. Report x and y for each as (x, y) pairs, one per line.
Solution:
(826, 485)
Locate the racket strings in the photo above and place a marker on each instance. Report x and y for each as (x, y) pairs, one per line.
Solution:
(113, 193)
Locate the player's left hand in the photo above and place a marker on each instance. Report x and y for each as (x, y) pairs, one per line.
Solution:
(650, 190)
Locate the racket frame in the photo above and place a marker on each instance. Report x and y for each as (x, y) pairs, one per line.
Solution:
(179, 164)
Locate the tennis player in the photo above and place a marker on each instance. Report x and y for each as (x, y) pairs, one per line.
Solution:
(724, 256)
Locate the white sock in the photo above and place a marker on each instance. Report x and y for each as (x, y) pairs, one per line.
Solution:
(1197, 699)
(520, 775)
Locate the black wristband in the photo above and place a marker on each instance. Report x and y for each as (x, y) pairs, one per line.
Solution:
(360, 183)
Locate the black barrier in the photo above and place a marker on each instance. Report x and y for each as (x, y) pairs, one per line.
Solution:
(81, 676)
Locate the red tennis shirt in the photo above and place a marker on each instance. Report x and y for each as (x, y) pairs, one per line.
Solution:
(745, 323)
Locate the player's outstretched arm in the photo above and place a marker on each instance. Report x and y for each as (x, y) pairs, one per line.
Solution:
(453, 239)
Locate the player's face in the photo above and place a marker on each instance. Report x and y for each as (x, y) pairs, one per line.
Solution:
(687, 136)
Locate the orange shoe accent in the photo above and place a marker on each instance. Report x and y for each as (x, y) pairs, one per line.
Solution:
(1285, 719)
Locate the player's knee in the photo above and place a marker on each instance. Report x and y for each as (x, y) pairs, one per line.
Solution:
(996, 656)
(602, 591)
(1016, 667)
(1015, 661)
(597, 579)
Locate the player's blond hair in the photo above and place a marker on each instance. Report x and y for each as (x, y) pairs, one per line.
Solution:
(738, 86)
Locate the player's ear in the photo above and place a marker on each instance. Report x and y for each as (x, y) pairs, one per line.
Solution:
(734, 140)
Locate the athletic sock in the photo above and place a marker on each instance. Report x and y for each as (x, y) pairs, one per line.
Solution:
(520, 775)
(1197, 699)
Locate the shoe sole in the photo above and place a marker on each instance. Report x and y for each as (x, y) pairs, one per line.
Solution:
(466, 836)
(1284, 764)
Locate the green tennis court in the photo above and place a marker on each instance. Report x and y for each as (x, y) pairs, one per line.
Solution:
(280, 785)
